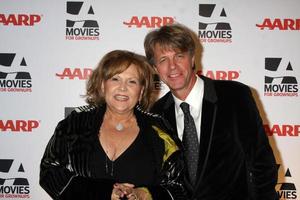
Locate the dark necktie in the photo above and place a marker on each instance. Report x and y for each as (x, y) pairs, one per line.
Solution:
(190, 142)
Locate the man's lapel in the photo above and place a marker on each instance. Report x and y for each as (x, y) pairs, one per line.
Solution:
(208, 116)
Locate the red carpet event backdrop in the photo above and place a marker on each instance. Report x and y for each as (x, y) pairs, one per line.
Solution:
(49, 48)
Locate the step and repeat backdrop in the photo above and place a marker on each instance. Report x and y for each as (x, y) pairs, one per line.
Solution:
(49, 48)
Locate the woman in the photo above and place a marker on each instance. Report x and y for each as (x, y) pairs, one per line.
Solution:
(112, 149)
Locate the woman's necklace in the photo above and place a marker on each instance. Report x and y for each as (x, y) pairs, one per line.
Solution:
(120, 126)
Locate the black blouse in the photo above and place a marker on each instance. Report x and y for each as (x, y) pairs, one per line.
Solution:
(135, 165)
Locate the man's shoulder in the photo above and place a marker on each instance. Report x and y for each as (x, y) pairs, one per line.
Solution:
(230, 84)
(232, 92)
(224, 84)
(228, 87)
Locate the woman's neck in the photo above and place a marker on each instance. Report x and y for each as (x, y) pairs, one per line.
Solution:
(111, 115)
(117, 121)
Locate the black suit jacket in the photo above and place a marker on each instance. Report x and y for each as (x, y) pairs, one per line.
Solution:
(236, 161)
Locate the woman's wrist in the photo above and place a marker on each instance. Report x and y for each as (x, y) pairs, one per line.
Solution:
(143, 193)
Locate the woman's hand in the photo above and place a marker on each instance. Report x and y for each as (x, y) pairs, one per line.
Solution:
(127, 190)
(139, 194)
(121, 190)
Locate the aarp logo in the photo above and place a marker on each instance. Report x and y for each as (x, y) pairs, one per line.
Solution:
(25, 126)
(282, 130)
(75, 73)
(220, 74)
(20, 19)
(148, 22)
(286, 24)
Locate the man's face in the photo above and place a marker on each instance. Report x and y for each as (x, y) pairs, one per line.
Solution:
(175, 69)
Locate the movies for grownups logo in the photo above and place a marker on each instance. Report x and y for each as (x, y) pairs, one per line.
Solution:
(214, 27)
(81, 23)
(280, 80)
(286, 190)
(14, 76)
(13, 183)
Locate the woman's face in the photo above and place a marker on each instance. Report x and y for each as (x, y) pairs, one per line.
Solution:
(123, 91)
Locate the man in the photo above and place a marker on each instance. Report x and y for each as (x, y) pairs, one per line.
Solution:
(227, 152)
